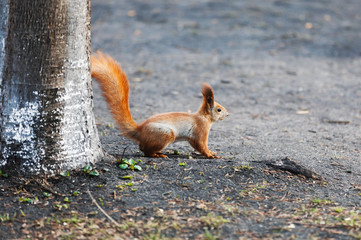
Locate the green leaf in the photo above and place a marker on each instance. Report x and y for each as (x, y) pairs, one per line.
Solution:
(22, 213)
(66, 199)
(183, 164)
(137, 167)
(125, 161)
(3, 174)
(131, 162)
(123, 166)
(94, 173)
(46, 194)
(128, 177)
(28, 200)
(76, 193)
(129, 184)
(64, 174)
(87, 169)
(201, 181)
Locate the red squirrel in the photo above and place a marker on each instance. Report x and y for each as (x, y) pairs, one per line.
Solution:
(158, 131)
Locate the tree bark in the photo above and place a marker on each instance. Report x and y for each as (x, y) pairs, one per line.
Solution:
(46, 108)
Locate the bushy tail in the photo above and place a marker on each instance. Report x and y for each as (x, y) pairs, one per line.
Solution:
(115, 86)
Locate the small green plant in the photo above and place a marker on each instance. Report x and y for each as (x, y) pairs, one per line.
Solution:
(214, 221)
(76, 193)
(46, 194)
(201, 181)
(338, 209)
(6, 217)
(128, 177)
(73, 220)
(321, 201)
(61, 206)
(28, 200)
(64, 174)
(101, 201)
(154, 235)
(123, 187)
(89, 170)
(209, 236)
(129, 163)
(243, 167)
(263, 186)
(183, 164)
(3, 174)
(22, 213)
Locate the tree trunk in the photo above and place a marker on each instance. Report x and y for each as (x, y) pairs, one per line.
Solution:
(46, 108)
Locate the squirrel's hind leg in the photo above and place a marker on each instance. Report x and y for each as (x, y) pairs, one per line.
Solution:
(157, 155)
(153, 144)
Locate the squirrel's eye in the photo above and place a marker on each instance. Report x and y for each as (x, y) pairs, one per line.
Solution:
(219, 110)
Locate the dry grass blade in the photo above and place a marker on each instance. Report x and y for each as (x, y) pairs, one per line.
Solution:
(102, 210)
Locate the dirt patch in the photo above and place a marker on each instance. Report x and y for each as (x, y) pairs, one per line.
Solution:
(177, 198)
(289, 74)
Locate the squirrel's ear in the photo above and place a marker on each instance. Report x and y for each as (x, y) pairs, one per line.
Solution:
(208, 94)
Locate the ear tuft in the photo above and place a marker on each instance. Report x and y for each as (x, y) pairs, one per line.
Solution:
(208, 95)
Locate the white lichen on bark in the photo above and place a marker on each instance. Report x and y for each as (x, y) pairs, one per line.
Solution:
(22, 134)
(79, 144)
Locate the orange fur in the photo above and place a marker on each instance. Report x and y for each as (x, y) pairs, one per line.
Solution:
(114, 84)
(158, 131)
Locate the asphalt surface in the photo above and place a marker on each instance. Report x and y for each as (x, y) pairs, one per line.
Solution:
(287, 71)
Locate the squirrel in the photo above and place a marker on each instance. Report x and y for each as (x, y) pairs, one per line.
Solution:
(157, 132)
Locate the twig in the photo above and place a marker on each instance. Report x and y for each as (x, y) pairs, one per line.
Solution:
(102, 210)
(325, 120)
(123, 153)
(338, 122)
(284, 196)
(287, 164)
